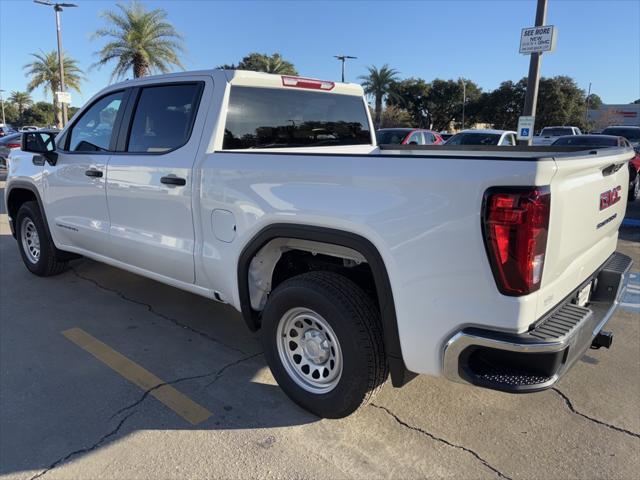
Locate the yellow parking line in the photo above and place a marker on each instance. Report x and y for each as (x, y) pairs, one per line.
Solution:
(172, 398)
(4, 224)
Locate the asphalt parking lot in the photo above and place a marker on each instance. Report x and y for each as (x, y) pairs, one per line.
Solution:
(104, 374)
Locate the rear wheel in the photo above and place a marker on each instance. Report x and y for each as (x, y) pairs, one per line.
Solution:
(38, 252)
(323, 341)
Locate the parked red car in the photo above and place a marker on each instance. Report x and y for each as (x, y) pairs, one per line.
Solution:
(408, 136)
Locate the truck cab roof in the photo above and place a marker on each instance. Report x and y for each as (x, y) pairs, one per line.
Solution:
(251, 79)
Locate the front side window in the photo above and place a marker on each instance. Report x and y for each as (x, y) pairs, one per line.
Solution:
(276, 118)
(164, 118)
(94, 129)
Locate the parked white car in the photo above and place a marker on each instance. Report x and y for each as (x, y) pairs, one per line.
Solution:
(548, 135)
(484, 137)
(490, 266)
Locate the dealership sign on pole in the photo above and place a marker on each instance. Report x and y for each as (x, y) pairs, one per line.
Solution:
(63, 97)
(538, 39)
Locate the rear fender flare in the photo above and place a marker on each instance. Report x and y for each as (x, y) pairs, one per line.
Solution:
(399, 373)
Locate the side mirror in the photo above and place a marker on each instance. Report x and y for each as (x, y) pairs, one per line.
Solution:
(41, 143)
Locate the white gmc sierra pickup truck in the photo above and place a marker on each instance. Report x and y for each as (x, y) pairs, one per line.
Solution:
(492, 266)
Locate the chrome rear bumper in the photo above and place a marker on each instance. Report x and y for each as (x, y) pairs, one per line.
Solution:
(536, 359)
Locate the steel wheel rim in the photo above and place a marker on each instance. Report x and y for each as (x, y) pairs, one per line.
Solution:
(30, 240)
(309, 350)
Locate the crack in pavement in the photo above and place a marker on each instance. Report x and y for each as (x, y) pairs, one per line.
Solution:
(570, 406)
(218, 373)
(102, 439)
(441, 440)
(153, 311)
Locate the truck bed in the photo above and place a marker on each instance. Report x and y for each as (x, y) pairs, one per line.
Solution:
(495, 152)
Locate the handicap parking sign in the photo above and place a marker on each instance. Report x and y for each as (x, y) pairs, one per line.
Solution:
(525, 127)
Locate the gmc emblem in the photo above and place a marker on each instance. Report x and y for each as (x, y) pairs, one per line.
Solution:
(610, 197)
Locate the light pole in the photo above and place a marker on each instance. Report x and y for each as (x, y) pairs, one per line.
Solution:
(533, 78)
(343, 59)
(464, 100)
(586, 109)
(57, 8)
(4, 122)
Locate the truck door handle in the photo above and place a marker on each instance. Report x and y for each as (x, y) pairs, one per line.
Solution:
(173, 181)
(92, 172)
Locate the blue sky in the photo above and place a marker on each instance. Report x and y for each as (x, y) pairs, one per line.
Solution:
(598, 40)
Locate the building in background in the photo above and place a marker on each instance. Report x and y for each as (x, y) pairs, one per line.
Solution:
(624, 114)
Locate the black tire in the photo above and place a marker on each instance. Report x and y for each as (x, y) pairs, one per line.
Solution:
(634, 188)
(50, 260)
(355, 320)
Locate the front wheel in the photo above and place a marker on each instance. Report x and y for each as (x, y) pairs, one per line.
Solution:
(323, 341)
(38, 252)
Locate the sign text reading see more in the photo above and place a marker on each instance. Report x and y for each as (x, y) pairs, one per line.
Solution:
(538, 39)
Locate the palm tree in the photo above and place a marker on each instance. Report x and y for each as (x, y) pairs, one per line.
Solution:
(140, 40)
(44, 72)
(261, 62)
(378, 84)
(278, 65)
(21, 100)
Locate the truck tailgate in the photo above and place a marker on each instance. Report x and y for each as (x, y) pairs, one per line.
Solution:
(588, 203)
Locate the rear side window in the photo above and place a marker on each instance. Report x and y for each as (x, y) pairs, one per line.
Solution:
(556, 132)
(587, 141)
(276, 118)
(472, 138)
(416, 138)
(94, 129)
(632, 134)
(164, 118)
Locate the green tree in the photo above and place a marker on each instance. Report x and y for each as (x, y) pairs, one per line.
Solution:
(637, 101)
(40, 113)
(412, 95)
(21, 100)
(395, 117)
(43, 72)
(502, 106)
(378, 84)
(72, 111)
(445, 102)
(595, 102)
(560, 102)
(261, 62)
(140, 40)
(11, 114)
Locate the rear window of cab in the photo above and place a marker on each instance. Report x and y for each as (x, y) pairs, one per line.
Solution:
(277, 118)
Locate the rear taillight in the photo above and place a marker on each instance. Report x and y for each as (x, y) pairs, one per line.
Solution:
(13, 145)
(515, 222)
(311, 83)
